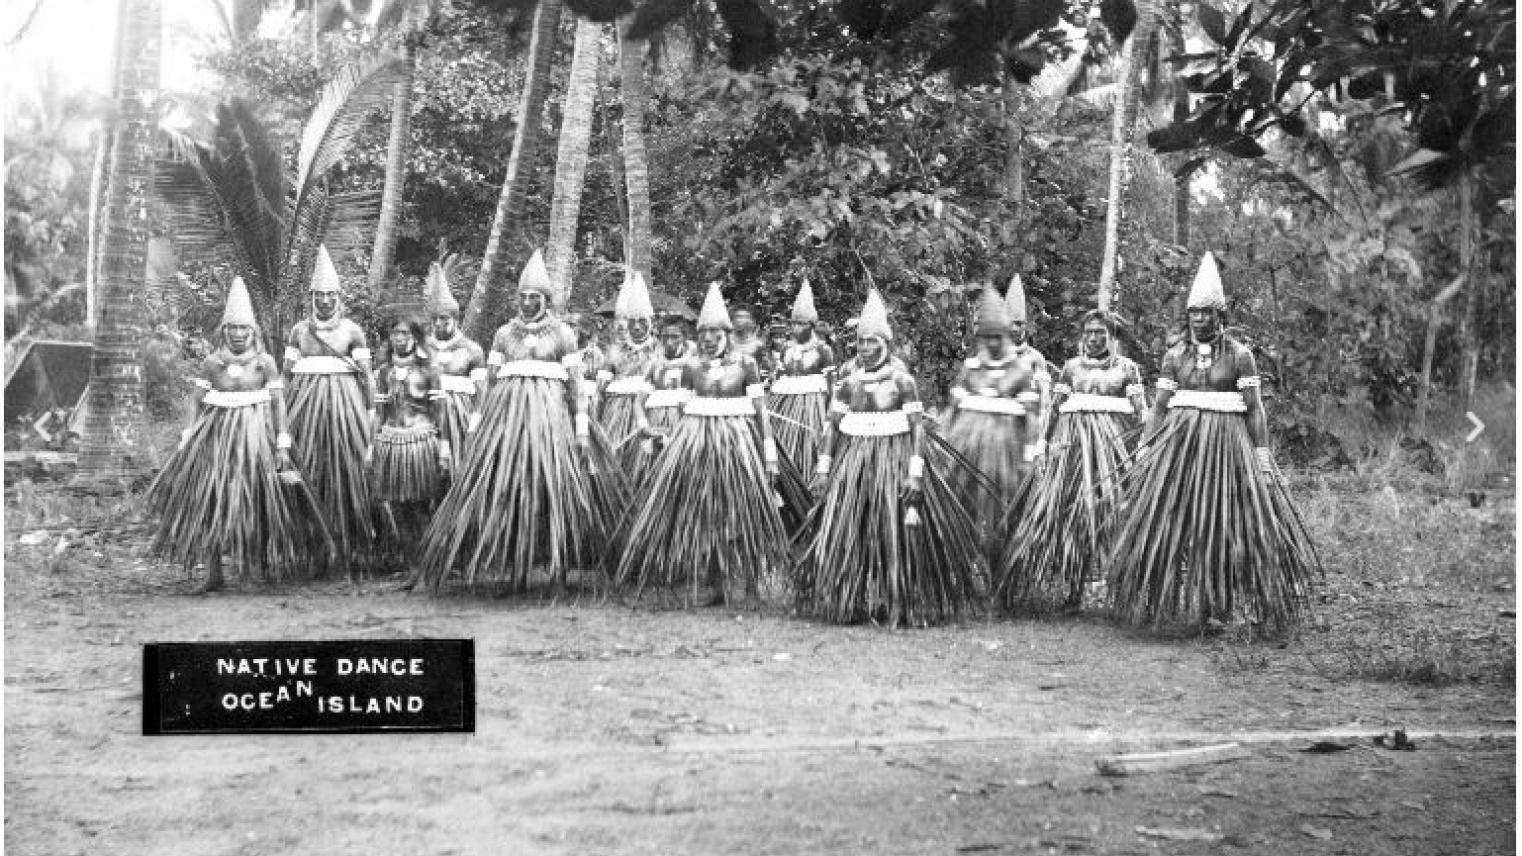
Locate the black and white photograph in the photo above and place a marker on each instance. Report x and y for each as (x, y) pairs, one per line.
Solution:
(695, 427)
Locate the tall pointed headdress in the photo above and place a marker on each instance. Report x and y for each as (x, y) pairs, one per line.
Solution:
(874, 317)
(536, 277)
(803, 305)
(714, 314)
(1014, 300)
(634, 298)
(324, 275)
(440, 301)
(1207, 293)
(239, 309)
(993, 314)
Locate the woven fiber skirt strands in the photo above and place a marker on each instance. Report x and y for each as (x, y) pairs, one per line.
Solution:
(457, 407)
(858, 561)
(330, 429)
(800, 425)
(220, 495)
(707, 504)
(1206, 534)
(1060, 531)
(993, 444)
(617, 418)
(526, 496)
(405, 467)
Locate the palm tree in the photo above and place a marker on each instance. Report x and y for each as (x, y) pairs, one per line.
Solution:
(110, 446)
(571, 157)
(230, 201)
(631, 57)
(1132, 58)
(484, 307)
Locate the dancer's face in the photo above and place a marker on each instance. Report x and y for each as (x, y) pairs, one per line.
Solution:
(1205, 324)
(325, 303)
(872, 351)
(995, 343)
(1017, 332)
(240, 337)
(639, 329)
(530, 305)
(745, 323)
(802, 332)
(711, 341)
(403, 343)
(1096, 339)
(673, 341)
(443, 326)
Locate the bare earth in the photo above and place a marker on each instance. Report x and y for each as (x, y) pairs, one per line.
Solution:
(605, 729)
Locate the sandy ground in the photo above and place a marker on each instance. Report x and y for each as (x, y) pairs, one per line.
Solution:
(603, 729)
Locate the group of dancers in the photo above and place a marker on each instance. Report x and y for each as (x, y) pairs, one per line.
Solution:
(724, 473)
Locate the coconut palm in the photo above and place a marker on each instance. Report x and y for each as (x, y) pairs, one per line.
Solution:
(631, 75)
(571, 157)
(230, 201)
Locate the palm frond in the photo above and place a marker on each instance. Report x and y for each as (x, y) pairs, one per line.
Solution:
(196, 217)
(348, 101)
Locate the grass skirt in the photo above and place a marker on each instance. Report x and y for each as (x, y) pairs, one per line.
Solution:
(707, 503)
(1205, 533)
(405, 467)
(525, 496)
(1060, 530)
(857, 559)
(457, 407)
(219, 494)
(330, 430)
(801, 427)
(617, 418)
(994, 443)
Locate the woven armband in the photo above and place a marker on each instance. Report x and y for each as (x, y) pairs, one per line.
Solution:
(283, 440)
(443, 449)
(823, 467)
(1167, 383)
(477, 375)
(292, 353)
(840, 407)
(916, 467)
(583, 424)
(1248, 382)
(1133, 389)
(604, 375)
(769, 450)
(360, 354)
(959, 393)
(275, 385)
(382, 397)
(571, 360)
(201, 382)
(495, 358)
(755, 390)
(1062, 389)
(914, 407)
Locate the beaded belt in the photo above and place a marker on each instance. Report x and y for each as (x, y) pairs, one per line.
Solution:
(325, 364)
(720, 407)
(886, 424)
(800, 384)
(993, 404)
(1084, 402)
(667, 398)
(1204, 399)
(236, 397)
(457, 383)
(533, 368)
(628, 385)
(411, 433)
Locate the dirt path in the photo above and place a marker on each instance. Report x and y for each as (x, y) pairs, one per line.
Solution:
(608, 730)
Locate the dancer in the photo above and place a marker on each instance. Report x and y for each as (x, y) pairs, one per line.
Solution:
(332, 413)
(889, 541)
(625, 375)
(460, 362)
(1033, 362)
(1209, 532)
(219, 494)
(1062, 537)
(539, 485)
(408, 461)
(746, 341)
(800, 394)
(709, 511)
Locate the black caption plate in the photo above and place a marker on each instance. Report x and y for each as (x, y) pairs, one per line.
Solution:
(309, 687)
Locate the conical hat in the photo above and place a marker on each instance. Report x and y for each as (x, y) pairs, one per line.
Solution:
(874, 317)
(536, 277)
(324, 275)
(239, 309)
(440, 301)
(1014, 300)
(714, 314)
(1207, 293)
(634, 299)
(993, 314)
(803, 304)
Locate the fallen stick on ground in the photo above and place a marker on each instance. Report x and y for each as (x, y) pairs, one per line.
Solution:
(1151, 762)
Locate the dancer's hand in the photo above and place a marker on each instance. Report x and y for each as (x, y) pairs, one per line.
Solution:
(473, 423)
(369, 454)
(184, 438)
(283, 461)
(914, 492)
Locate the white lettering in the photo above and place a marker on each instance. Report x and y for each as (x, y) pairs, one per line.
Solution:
(229, 701)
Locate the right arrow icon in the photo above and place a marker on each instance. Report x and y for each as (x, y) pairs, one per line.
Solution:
(1478, 427)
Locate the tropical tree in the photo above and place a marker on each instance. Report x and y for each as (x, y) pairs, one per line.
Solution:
(231, 203)
(110, 446)
(571, 157)
(636, 167)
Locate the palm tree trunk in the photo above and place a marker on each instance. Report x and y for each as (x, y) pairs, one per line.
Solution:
(616, 163)
(1181, 184)
(1469, 343)
(1014, 140)
(396, 179)
(1120, 140)
(111, 448)
(484, 308)
(92, 228)
(631, 55)
(571, 159)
